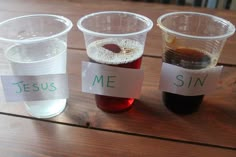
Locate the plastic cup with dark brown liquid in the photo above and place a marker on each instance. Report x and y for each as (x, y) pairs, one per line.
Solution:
(191, 41)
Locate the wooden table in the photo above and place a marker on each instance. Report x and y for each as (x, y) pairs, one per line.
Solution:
(148, 129)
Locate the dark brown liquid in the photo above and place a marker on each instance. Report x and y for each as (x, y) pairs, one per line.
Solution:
(189, 59)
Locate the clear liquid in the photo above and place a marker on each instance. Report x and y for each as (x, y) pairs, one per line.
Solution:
(35, 52)
(40, 59)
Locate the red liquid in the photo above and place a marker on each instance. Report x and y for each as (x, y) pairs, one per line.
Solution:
(116, 104)
(133, 61)
(189, 59)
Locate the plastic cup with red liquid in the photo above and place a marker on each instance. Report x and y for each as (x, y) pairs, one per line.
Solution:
(110, 36)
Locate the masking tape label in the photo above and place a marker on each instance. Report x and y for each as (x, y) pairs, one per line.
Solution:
(189, 82)
(35, 88)
(111, 81)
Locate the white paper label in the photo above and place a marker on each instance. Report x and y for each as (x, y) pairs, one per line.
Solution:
(111, 81)
(35, 88)
(189, 82)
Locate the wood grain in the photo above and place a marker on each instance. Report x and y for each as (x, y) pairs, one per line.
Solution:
(214, 124)
(25, 138)
(74, 9)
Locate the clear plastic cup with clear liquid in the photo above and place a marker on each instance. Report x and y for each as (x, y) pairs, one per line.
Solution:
(37, 45)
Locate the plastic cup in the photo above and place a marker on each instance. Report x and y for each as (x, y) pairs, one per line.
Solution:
(194, 41)
(37, 45)
(108, 30)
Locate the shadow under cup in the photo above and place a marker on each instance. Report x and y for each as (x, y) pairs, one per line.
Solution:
(108, 37)
(193, 41)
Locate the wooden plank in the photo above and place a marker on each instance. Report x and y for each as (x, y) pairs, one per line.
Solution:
(25, 138)
(75, 9)
(214, 124)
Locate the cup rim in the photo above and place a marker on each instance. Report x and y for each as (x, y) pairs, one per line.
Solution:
(140, 17)
(228, 34)
(24, 41)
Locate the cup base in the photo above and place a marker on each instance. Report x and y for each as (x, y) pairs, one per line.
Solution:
(45, 109)
(182, 105)
(187, 111)
(114, 111)
(113, 104)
